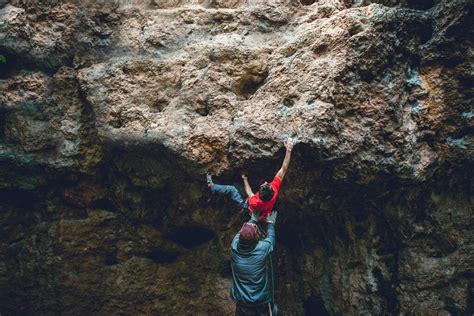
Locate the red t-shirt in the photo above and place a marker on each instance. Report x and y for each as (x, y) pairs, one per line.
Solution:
(264, 208)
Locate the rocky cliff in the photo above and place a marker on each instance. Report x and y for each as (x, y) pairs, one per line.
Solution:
(112, 111)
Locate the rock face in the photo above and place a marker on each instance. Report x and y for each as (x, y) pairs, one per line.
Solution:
(111, 112)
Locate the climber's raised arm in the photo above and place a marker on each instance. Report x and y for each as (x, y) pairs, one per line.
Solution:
(247, 187)
(284, 167)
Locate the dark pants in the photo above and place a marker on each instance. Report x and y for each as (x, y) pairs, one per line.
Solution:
(256, 310)
(231, 192)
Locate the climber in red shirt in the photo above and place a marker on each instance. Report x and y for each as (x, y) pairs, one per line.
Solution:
(261, 202)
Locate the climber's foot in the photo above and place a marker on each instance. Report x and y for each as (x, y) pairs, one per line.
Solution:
(209, 180)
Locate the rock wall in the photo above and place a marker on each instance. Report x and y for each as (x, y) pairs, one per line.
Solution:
(112, 111)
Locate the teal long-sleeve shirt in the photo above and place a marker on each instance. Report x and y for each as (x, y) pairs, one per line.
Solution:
(250, 278)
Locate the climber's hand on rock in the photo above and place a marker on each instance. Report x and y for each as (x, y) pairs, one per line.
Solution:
(289, 144)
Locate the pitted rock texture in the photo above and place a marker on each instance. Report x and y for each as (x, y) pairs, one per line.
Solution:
(112, 112)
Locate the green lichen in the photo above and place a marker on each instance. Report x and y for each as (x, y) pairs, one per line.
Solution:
(3, 59)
